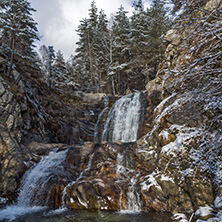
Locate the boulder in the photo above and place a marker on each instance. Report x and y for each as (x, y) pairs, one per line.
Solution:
(93, 98)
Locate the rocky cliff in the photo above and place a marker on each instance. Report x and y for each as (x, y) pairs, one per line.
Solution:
(176, 163)
(32, 113)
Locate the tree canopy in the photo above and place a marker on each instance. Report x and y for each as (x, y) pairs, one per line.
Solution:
(18, 33)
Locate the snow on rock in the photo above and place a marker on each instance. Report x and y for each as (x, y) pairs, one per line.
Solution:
(149, 182)
(204, 211)
(218, 202)
(184, 134)
(166, 178)
(2, 200)
(181, 217)
(164, 134)
(161, 106)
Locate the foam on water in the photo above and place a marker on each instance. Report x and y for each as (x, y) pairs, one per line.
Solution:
(34, 178)
(123, 119)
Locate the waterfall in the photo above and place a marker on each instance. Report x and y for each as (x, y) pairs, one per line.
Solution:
(123, 120)
(32, 189)
(133, 198)
(122, 125)
(38, 176)
(123, 173)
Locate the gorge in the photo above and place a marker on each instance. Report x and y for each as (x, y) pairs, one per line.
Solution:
(150, 155)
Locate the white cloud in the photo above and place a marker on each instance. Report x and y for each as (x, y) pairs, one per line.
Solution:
(58, 19)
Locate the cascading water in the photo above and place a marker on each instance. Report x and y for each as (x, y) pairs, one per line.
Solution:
(32, 188)
(123, 173)
(38, 177)
(134, 203)
(122, 125)
(123, 120)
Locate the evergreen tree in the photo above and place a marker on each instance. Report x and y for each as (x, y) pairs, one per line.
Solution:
(159, 23)
(92, 42)
(121, 53)
(93, 17)
(50, 68)
(102, 49)
(92, 45)
(60, 63)
(82, 60)
(19, 32)
(139, 46)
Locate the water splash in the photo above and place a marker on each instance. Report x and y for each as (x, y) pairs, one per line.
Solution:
(38, 176)
(124, 174)
(123, 120)
(35, 178)
(133, 198)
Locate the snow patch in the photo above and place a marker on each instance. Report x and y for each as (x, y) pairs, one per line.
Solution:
(151, 181)
(184, 134)
(204, 211)
(166, 178)
(218, 202)
(164, 134)
(181, 217)
(187, 172)
(2, 200)
(159, 108)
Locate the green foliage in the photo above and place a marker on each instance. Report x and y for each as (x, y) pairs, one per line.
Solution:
(60, 63)
(121, 54)
(18, 33)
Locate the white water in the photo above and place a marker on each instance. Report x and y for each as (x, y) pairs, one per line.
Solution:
(133, 198)
(36, 177)
(96, 139)
(123, 120)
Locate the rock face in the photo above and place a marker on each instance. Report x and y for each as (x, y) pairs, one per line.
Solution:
(175, 165)
(125, 177)
(185, 137)
(29, 114)
(14, 124)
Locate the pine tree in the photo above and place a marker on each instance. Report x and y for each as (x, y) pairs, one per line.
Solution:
(139, 46)
(92, 41)
(92, 37)
(19, 31)
(102, 49)
(121, 53)
(82, 60)
(60, 63)
(50, 68)
(158, 23)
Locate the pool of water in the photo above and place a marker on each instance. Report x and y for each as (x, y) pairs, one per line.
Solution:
(64, 215)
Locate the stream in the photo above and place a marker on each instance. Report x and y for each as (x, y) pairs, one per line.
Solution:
(87, 216)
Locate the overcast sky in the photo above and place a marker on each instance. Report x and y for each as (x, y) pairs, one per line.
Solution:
(58, 19)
